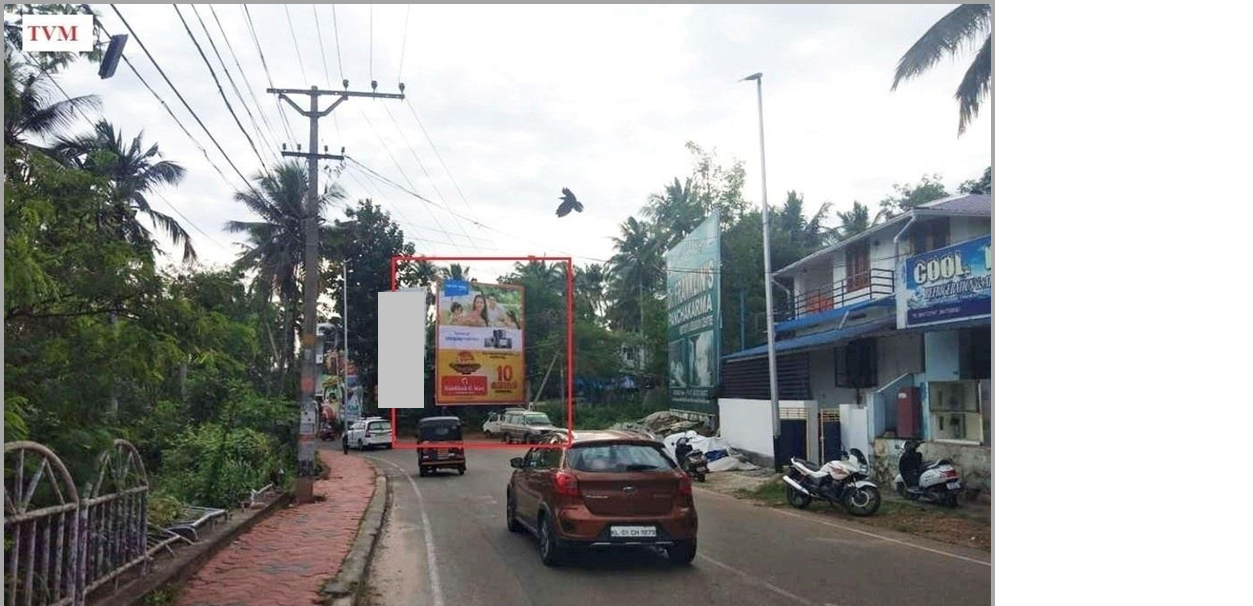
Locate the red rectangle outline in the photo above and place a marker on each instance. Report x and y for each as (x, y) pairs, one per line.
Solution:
(569, 262)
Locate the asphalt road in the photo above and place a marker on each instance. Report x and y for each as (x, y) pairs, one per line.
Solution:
(445, 544)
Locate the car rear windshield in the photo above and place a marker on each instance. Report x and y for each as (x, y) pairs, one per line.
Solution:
(441, 432)
(619, 458)
(379, 427)
(537, 419)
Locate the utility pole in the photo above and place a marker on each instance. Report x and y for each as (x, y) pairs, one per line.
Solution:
(765, 245)
(308, 408)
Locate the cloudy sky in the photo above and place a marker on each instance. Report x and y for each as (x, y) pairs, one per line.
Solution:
(522, 101)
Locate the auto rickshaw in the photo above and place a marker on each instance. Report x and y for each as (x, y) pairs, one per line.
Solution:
(440, 429)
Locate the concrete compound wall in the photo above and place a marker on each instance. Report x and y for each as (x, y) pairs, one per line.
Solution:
(974, 463)
(747, 427)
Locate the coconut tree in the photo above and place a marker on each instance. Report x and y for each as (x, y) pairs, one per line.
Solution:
(133, 172)
(853, 222)
(962, 28)
(31, 115)
(274, 253)
(637, 271)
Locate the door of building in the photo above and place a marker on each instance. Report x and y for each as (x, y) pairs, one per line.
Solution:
(792, 440)
(830, 438)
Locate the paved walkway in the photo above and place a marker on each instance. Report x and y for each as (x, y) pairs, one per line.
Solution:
(288, 557)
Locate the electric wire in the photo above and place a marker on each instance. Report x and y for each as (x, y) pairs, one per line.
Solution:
(267, 135)
(180, 97)
(244, 75)
(422, 166)
(338, 56)
(404, 39)
(383, 144)
(292, 28)
(266, 66)
(221, 92)
(440, 157)
(321, 46)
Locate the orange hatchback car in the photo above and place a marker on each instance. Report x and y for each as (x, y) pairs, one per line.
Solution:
(605, 489)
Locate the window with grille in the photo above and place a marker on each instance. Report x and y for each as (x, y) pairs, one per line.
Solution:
(857, 266)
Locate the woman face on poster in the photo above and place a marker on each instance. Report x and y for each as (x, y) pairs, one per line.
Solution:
(478, 316)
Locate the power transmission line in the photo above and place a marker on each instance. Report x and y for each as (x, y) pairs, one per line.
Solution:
(338, 57)
(221, 92)
(440, 157)
(299, 59)
(403, 40)
(251, 118)
(256, 41)
(321, 46)
(247, 84)
(422, 166)
(383, 143)
(180, 97)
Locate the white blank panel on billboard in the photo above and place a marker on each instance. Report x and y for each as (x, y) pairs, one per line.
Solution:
(402, 349)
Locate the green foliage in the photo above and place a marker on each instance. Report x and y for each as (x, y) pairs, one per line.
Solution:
(960, 29)
(982, 185)
(163, 509)
(602, 416)
(217, 466)
(909, 195)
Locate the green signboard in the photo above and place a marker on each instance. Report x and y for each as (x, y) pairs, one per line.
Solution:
(693, 278)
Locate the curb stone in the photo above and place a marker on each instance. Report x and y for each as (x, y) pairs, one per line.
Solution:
(347, 588)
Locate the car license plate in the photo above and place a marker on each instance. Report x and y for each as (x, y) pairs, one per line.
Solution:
(954, 485)
(633, 532)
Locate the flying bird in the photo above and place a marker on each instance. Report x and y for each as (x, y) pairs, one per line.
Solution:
(568, 201)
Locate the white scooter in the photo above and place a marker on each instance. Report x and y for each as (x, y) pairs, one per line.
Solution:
(930, 481)
(843, 482)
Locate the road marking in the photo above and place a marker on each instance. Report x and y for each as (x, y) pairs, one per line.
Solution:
(432, 570)
(756, 581)
(856, 530)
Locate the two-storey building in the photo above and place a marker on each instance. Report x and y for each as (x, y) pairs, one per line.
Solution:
(887, 336)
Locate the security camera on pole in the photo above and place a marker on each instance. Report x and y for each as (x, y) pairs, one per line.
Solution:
(765, 245)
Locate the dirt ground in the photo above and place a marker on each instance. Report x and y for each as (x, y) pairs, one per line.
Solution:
(969, 525)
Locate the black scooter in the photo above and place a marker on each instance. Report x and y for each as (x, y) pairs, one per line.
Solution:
(691, 461)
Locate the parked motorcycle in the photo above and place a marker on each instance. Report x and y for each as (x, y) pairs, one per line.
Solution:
(842, 482)
(692, 461)
(930, 481)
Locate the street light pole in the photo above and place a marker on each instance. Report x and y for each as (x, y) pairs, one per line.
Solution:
(765, 245)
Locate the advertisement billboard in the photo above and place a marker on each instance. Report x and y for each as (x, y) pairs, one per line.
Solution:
(694, 326)
(479, 344)
(947, 284)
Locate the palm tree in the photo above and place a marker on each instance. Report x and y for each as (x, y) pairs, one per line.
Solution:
(677, 208)
(589, 288)
(455, 271)
(809, 233)
(275, 249)
(29, 110)
(132, 172)
(962, 27)
(853, 222)
(637, 270)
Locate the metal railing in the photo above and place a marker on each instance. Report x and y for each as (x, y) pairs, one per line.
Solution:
(60, 545)
(858, 288)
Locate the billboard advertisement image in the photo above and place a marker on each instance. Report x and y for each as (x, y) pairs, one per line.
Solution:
(693, 282)
(479, 352)
(947, 284)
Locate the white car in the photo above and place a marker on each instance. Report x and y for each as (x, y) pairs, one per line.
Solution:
(491, 427)
(368, 433)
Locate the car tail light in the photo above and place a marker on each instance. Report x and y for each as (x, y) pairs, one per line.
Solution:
(951, 473)
(685, 485)
(567, 485)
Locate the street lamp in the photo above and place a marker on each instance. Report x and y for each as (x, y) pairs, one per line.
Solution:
(765, 246)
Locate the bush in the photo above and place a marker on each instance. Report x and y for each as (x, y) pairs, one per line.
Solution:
(602, 416)
(215, 467)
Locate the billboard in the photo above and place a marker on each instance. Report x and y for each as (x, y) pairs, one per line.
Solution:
(479, 352)
(694, 324)
(947, 284)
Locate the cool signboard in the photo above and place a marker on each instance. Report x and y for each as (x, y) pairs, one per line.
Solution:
(947, 284)
(693, 272)
(479, 353)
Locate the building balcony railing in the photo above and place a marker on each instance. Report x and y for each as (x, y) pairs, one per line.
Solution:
(858, 288)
